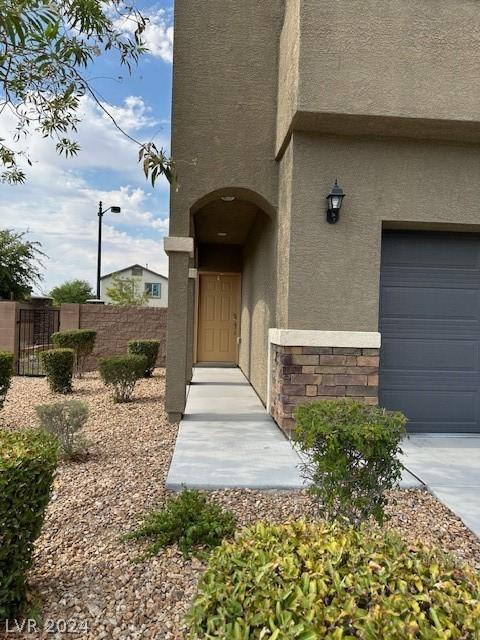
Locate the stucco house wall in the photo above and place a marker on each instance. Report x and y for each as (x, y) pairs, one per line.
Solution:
(272, 102)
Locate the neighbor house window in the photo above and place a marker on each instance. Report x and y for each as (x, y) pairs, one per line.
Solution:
(137, 271)
(153, 289)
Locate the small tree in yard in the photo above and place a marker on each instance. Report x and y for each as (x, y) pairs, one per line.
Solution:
(127, 292)
(351, 456)
(19, 264)
(64, 420)
(122, 373)
(78, 291)
(82, 341)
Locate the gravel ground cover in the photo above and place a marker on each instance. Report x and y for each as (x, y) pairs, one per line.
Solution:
(85, 574)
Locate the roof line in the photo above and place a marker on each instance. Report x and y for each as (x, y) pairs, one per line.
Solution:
(113, 273)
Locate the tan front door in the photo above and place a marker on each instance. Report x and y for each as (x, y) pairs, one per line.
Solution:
(218, 321)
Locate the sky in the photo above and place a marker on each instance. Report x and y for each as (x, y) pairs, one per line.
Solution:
(58, 204)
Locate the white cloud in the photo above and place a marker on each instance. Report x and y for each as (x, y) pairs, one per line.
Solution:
(58, 204)
(158, 34)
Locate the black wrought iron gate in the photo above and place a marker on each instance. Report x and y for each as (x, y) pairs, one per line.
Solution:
(35, 328)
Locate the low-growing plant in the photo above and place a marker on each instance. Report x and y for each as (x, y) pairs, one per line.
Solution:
(122, 373)
(58, 367)
(147, 348)
(82, 341)
(27, 464)
(351, 454)
(6, 372)
(64, 420)
(311, 581)
(189, 520)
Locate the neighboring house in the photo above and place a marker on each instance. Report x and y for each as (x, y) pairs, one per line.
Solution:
(275, 100)
(154, 284)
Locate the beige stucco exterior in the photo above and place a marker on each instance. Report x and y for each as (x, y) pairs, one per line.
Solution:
(272, 101)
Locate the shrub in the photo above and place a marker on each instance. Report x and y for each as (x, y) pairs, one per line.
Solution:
(82, 341)
(27, 464)
(6, 371)
(122, 372)
(58, 367)
(351, 456)
(308, 581)
(190, 521)
(147, 348)
(64, 420)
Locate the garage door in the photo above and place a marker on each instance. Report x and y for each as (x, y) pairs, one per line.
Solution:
(430, 326)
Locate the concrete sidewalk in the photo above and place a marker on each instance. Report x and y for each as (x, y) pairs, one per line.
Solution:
(227, 440)
(450, 467)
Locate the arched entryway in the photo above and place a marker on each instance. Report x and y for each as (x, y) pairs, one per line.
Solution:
(235, 253)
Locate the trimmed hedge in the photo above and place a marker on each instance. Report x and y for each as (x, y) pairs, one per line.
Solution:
(82, 341)
(308, 581)
(351, 454)
(147, 348)
(58, 367)
(27, 464)
(6, 372)
(121, 373)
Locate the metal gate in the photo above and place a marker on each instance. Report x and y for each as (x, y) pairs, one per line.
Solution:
(35, 328)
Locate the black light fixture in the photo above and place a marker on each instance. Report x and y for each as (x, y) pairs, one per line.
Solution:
(335, 199)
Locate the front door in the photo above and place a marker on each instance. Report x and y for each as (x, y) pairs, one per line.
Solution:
(218, 321)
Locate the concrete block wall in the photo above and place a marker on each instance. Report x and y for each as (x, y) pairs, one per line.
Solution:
(116, 326)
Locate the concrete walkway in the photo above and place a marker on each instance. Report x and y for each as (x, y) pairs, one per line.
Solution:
(227, 440)
(450, 467)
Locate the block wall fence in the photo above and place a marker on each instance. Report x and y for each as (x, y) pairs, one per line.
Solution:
(115, 326)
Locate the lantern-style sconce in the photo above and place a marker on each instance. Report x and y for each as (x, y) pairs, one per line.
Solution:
(335, 199)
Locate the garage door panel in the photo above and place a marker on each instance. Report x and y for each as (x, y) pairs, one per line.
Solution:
(435, 410)
(426, 252)
(406, 303)
(430, 326)
(429, 355)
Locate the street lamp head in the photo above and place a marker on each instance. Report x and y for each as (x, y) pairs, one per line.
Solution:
(115, 209)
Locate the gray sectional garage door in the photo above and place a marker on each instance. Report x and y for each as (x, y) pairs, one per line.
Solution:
(430, 326)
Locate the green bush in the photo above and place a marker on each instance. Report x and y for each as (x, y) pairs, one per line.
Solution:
(82, 341)
(6, 371)
(27, 464)
(147, 348)
(58, 367)
(190, 521)
(121, 373)
(310, 582)
(351, 456)
(64, 420)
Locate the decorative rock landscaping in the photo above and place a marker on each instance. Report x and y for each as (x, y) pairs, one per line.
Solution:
(85, 572)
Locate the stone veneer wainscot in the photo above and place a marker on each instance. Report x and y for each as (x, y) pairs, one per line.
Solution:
(302, 374)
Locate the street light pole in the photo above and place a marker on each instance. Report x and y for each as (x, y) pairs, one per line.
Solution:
(99, 248)
(101, 211)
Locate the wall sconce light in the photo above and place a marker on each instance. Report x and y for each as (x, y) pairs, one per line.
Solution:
(335, 199)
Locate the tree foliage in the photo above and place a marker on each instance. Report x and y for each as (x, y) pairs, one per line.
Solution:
(72, 291)
(127, 291)
(46, 48)
(20, 263)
